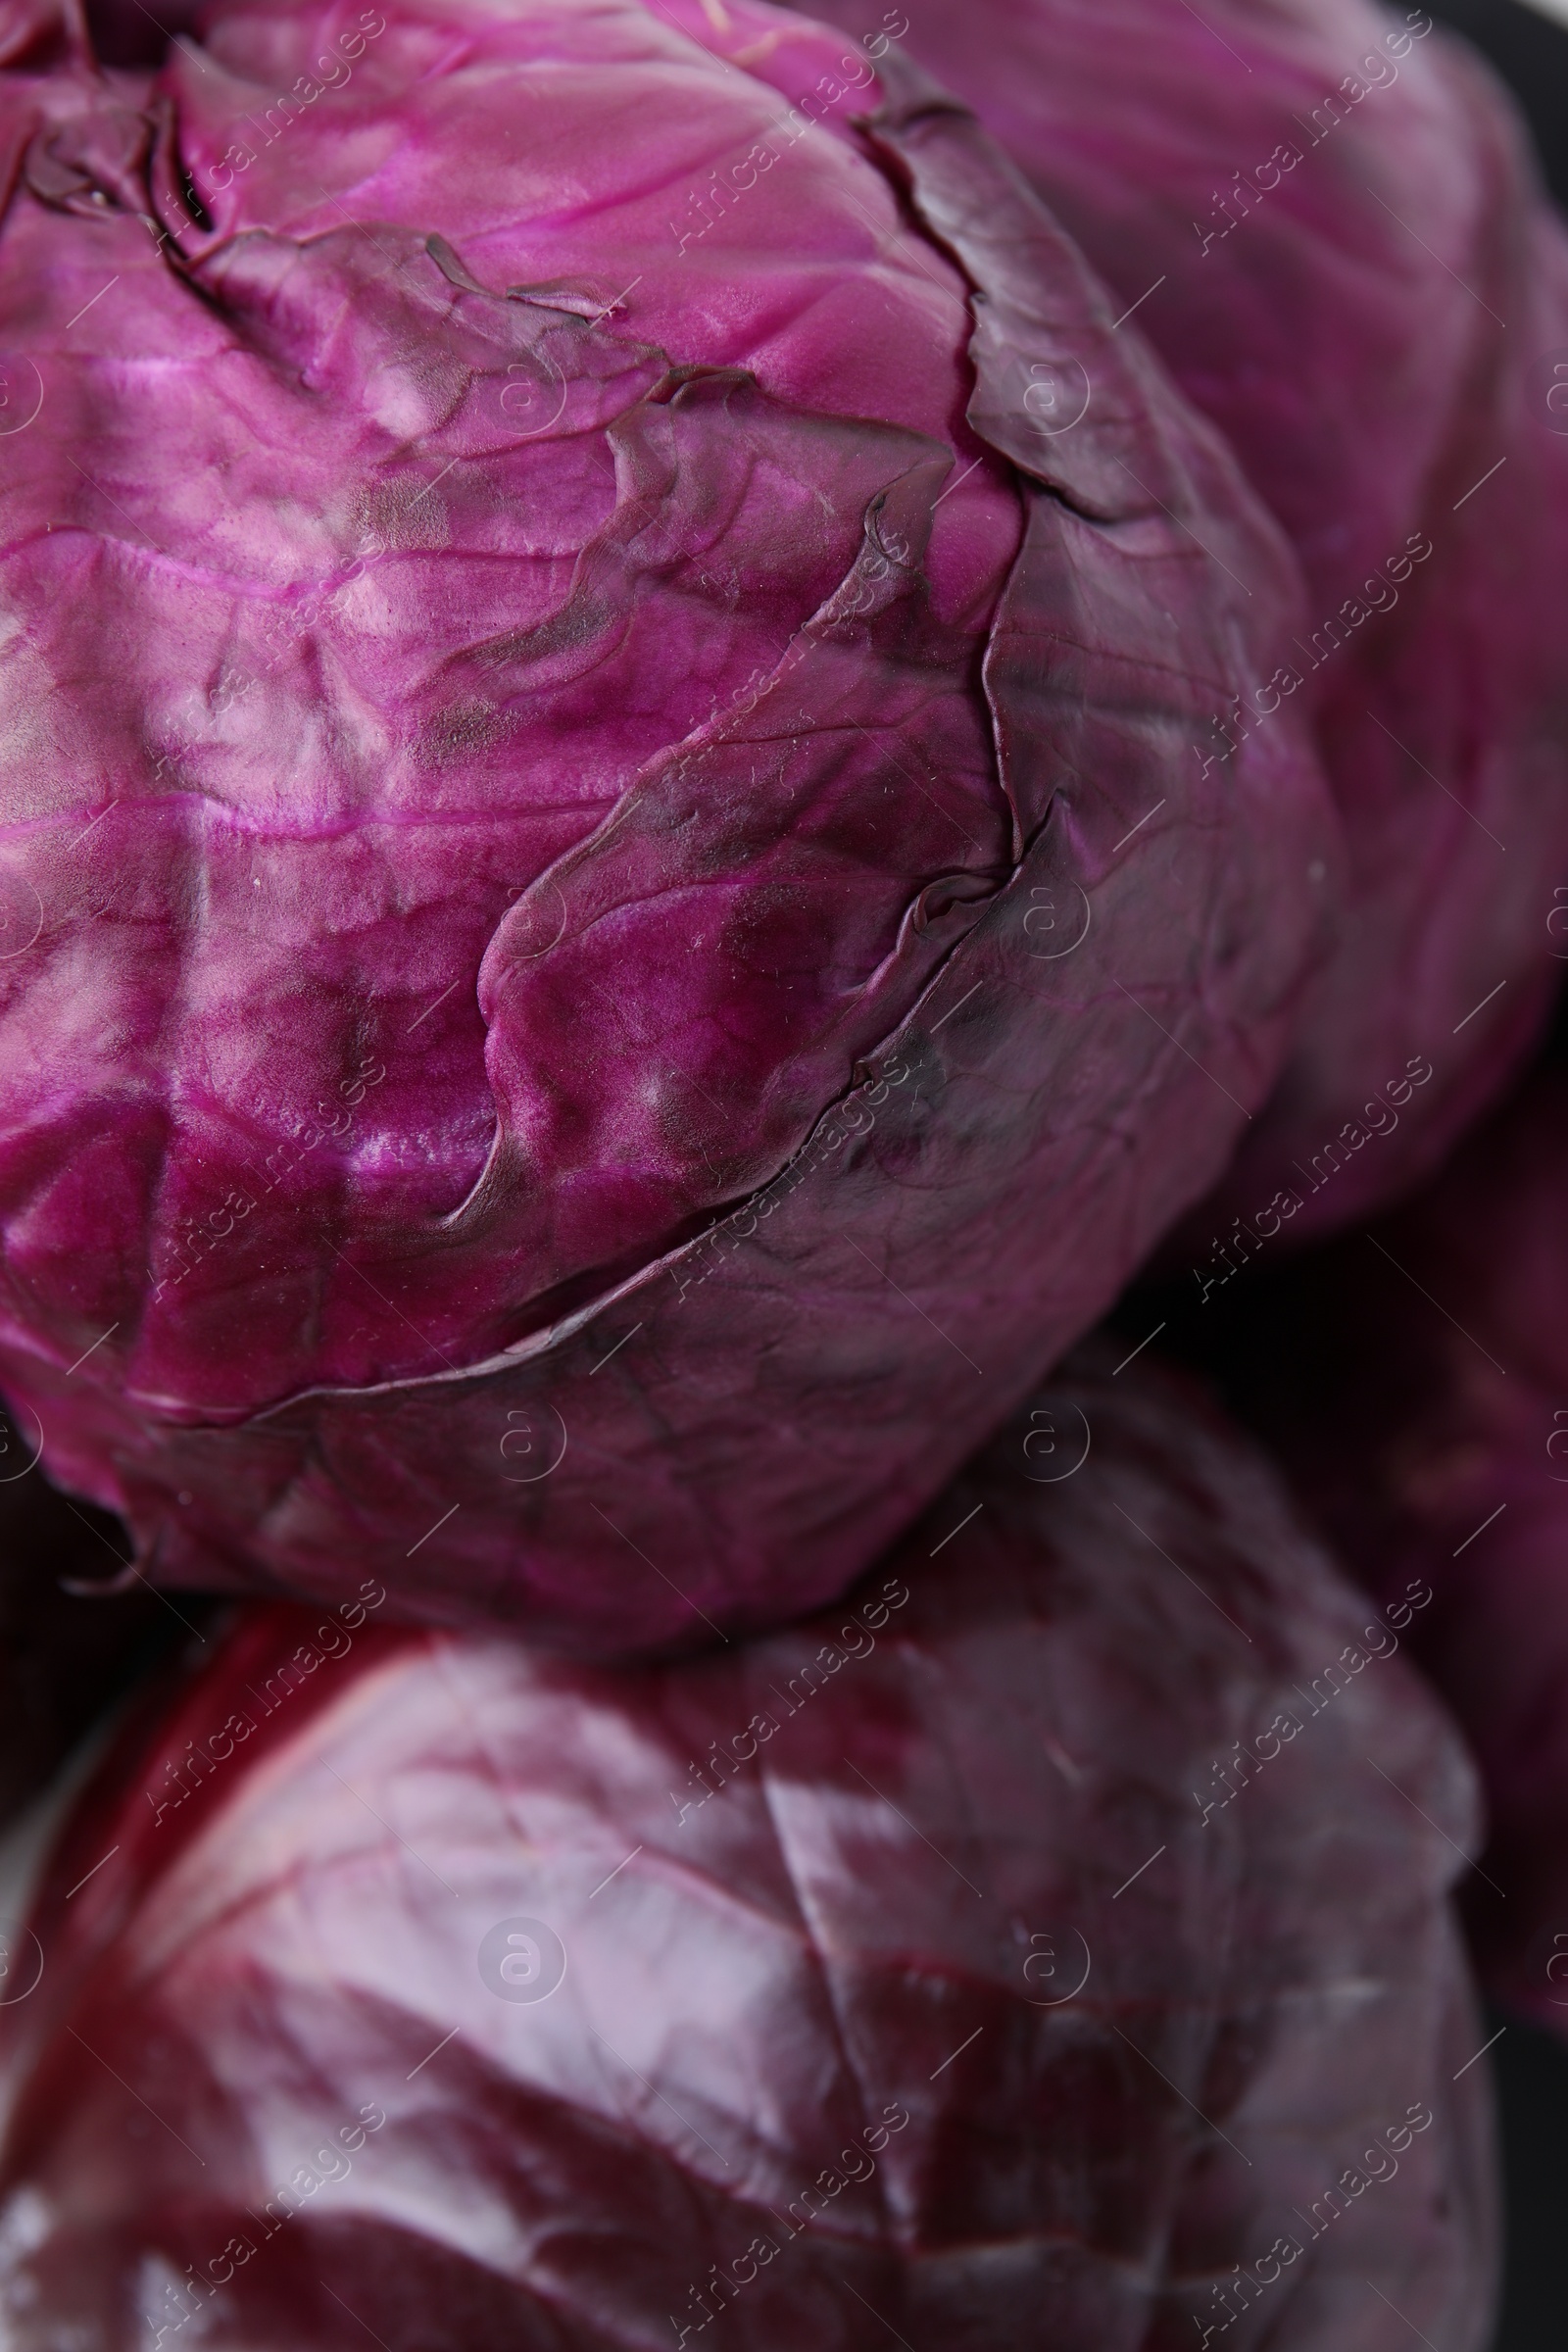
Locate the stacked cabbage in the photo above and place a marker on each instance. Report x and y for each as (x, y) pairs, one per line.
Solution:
(698, 744)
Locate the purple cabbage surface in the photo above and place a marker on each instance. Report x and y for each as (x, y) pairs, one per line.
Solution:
(1326, 218)
(1416, 1382)
(937, 1966)
(613, 933)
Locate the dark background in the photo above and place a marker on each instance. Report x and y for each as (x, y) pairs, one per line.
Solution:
(1531, 52)
(1532, 2078)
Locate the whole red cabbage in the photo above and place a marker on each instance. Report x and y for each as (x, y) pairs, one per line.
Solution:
(1415, 1380)
(1324, 215)
(983, 1964)
(599, 798)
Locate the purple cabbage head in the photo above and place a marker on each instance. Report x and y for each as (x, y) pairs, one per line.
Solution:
(607, 670)
(1040, 1947)
(1326, 216)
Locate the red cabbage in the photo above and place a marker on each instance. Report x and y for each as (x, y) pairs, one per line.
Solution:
(1325, 217)
(976, 1965)
(598, 801)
